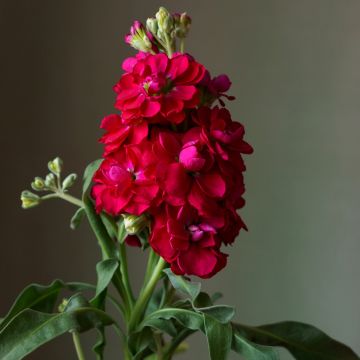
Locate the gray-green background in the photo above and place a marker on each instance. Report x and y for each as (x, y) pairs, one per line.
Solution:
(295, 71)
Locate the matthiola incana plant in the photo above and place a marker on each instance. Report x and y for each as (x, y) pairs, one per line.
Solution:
(170, 182)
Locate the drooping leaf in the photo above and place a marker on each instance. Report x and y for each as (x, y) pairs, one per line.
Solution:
(163, 325)
(30, 329)
(109, 224)
(216, 296)
(250, 350)
(89, 173)
(77, 218)
(222, 313)
(189, 288)
(219, 338)
(304, 342)
(36, 297)
(105, 271)
(187, 318)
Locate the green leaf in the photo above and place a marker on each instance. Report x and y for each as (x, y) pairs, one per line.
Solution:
(77, 218)
(222, 313)
(187, 318)
(31, 329)
(162, 325)
(250, 350)
(36, 297)
(109, 224)
(122, 233)
(105, 270)
(191, 289)
(304, 342)
(219, 338)
(89, 174)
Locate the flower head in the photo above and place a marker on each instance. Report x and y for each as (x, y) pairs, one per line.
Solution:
(141, 39)
(158, 88)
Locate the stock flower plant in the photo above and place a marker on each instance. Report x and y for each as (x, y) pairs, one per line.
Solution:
(170, 182)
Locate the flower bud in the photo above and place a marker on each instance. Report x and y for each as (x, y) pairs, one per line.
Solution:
(165, 21)
(69, 181)
(29, 199)
(50, 181)
(63, 305)
(55, 166)
(38, 184)
(152, 25)
(140, 39)
(135, 224)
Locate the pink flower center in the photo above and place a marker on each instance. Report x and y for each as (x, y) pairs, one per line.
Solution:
(156, 84)
(117, 174)
(195, 232)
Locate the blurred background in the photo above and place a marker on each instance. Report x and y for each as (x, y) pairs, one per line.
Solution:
(295, 72)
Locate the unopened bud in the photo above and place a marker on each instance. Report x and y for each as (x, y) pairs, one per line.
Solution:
(50, 181)
(184, 25)
(135, 224)
(63, 305)
(55, 166)
(29, 199)
(152, 25)
(165, 21)
(38, 184)
(69, 181)
(139, 38)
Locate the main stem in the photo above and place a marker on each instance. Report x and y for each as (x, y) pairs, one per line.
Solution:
(78, 347)
(145, 295)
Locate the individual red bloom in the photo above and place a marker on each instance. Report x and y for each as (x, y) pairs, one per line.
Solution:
(119, 132)
(189, 243)
(158, 88)
(232, 227)
(215, 88)
(126, 182)
(184, 178)
(220, 132)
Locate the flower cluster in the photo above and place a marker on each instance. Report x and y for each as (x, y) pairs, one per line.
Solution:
(172, 153)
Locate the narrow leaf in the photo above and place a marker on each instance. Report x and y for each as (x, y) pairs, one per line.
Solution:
(89, 173)
(304, 342)
(31, 329)
(36, 297)
(191, 289)
(77, 218)
(219, 338)
(250, 350)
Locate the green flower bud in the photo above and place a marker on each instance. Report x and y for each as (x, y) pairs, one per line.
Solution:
(55, 166)
(184, 25)
(69, 181)
(165, 21)
(152, 25)
(29, 199)
(38, 184)
(63, 305)
(50, 181)
(135, 224)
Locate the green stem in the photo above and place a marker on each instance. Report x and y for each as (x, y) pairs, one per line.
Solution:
(182, 45)
(150, 265)
(159, 346)
(169, 47)
(145, 294)
(173, 346)
(69, 198)
(125, 275)
(78, 347)
(107, 246)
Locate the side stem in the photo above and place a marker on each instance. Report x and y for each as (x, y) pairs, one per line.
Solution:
(145, 294)
(78, 347)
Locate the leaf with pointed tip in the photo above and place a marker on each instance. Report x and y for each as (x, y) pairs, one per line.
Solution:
(77, 218)
(250, 350)
(304, 342)
(222, 313)
(189, 288)
(89, 174)
(219, 338)
(36, 297)
(30, 329)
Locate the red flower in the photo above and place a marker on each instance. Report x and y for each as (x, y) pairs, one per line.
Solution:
(119, 132)
(125, 182)
(158, 87)
(189, 243)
